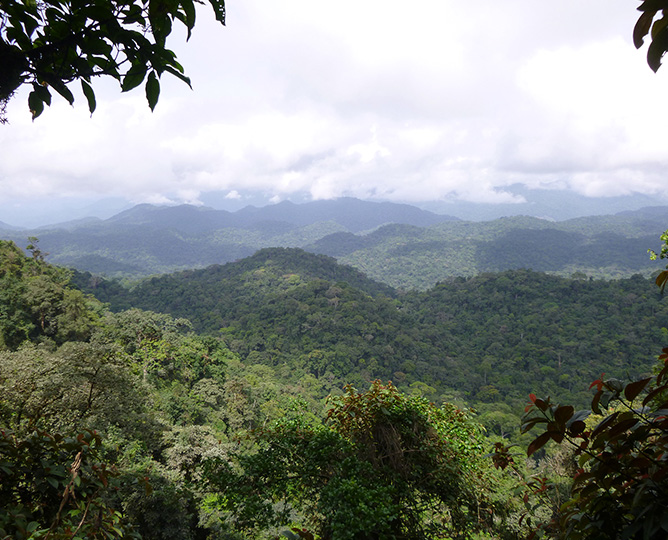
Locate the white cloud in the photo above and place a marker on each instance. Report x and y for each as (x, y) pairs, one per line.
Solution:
(371, 99)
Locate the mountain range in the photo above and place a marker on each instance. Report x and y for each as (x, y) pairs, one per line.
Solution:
(398, 244)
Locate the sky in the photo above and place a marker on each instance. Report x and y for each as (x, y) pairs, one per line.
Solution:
(385, 100)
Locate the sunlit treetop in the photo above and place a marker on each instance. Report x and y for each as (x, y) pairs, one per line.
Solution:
(50, 43)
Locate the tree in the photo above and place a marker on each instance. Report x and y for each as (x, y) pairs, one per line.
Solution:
(620, 485)
(57, 487)
(51, 43)
(658, 30)
(385, 465)
(36, 302)
(619, 489)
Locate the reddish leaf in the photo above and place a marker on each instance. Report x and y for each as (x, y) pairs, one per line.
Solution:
(623, 426)
(632, 390)
(538, 443)
(557, 436)
(563, 414)
(649, 397)
(604, 423)
(598, 383)
(576, 428)
(541, 404)
(662, 278)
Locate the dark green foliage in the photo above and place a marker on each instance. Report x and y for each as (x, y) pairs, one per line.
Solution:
(492, 338)
(80, 385)
(619, 444)
(406, 254)
(412, 258)
(383, 466)
(50, 44)
(652, 9)
(228, 440)
(36, 302)
(57, 487)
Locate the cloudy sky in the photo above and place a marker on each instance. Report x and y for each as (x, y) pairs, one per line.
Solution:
(426, 100)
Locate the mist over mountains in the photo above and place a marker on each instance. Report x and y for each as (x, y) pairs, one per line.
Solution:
(397, 244)
(554, 204)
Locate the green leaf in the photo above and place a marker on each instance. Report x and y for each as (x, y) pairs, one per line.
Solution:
(152, 90)
(51, 480)
(90, 95)
(36, 104)
(219, 9)
(655, 53)
(134, 77)
(178, 75)
(189, 12)
(60, 87)
(653, 5)
(659, 25)
(161, 26)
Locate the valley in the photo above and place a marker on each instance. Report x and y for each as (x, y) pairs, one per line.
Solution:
(215, 391)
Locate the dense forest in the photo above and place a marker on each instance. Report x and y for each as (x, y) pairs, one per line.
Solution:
(253, 400)
(494, 337)
(400, 245)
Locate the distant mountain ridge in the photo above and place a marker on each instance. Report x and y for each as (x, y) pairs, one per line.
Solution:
(148, 239)
(397, 244)
(353, 214)
(4, 225)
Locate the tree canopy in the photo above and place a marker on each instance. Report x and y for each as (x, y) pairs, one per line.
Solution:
(383, 465)
(50, 43)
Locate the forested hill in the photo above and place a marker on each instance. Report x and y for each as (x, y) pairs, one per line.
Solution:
(409, 257)
(151, 239)
(490, 338)
(400, 245)
(270, 271)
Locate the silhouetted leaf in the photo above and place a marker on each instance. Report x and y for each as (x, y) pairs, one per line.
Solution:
(632, 390)
(90, 95)
(152, 90)
(538, 443)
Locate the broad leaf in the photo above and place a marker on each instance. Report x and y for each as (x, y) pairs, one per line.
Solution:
(538, 443)
(152, 90)
(134, 77)
(90, 95)
(632, 390)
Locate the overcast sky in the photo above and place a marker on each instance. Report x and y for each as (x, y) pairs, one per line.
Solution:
(410, 101)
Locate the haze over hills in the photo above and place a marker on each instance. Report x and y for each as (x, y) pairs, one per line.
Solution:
(553, 204)
(150, 239)
(397, 244)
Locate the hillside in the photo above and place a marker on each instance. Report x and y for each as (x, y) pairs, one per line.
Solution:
(148, 239)
(493, 337)
(409, 257)
(400, 245)
(279, 331)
